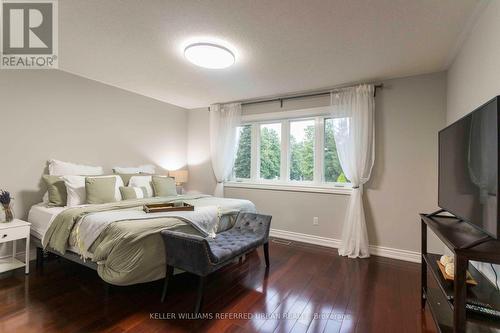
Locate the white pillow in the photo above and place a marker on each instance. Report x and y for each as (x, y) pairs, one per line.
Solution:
(59, 168)
(75, 188)
(142, 181)
(148, 168)
(77, 195)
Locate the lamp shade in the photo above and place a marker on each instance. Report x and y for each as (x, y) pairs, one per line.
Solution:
(180, 176)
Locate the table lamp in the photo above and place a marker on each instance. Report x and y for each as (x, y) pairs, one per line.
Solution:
(180, 177)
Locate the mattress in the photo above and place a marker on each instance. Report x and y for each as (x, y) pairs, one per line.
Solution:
(40, 217)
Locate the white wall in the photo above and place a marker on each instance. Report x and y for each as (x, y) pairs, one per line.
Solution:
(409, 112)
(474, 77)
(48, 114)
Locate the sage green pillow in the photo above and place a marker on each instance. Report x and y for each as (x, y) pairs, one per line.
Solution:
(126, 176)
(57, 190)
(164, 186)
(100, 190)
(133, 192)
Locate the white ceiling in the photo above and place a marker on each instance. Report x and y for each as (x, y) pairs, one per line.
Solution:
(281, 46)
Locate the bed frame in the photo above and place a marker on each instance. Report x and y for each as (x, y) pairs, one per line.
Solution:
(71, 256)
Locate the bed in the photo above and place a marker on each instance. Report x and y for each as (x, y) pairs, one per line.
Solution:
(119, 240)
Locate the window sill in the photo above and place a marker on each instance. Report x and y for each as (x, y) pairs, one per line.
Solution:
(291, 187)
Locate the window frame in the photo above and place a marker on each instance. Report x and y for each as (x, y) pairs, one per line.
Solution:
(318, 184)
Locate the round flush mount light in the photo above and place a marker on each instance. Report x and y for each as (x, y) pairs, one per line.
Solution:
(209, 55)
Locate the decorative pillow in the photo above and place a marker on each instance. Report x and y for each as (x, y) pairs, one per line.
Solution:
(119, 183)
(148, 168)
(164, 186)
(100, 190)
(75, 187)
(130, 192)
(142, 181)
(56, 190)
(59, 168)
(126, 177)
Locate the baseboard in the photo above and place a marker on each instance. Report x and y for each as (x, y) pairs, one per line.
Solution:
(376, 250)
(305, 238)
(393, 253)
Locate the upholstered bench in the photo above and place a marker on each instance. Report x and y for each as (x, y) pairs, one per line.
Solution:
(202, 256)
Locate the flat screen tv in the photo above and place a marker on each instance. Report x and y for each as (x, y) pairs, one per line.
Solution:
(468, 168)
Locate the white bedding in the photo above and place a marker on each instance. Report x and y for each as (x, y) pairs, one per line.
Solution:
(40, 217)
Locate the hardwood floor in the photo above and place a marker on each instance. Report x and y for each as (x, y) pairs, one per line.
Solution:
(307, 289)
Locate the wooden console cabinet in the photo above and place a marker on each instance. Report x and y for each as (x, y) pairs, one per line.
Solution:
(447, 299)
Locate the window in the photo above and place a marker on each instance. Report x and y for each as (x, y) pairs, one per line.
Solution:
(302, 134)
(242, 164)
(294, 151)
(270, 151)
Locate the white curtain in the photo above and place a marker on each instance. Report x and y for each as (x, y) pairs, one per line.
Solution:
(353, 110)
(223, 122)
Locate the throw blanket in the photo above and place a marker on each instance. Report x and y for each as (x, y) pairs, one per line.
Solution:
(130, 250)
(203, 219)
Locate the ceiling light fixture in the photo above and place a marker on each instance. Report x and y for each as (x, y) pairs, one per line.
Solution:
(209, 55)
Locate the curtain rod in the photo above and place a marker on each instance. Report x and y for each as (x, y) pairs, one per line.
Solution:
(296, 96)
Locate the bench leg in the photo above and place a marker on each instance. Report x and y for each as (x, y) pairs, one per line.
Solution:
(266, 253)
(201, 290)
(168, 275)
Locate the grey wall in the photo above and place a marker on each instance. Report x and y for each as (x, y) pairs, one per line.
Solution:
(409, 112)
(48, 114)
(294, 211)
(201, 176)
(474, 77)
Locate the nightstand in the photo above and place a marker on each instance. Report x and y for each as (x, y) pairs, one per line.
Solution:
(11, 232)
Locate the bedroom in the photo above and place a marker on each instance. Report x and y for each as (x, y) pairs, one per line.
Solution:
(123, 90)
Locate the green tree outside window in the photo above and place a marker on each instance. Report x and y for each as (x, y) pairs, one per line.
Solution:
(270, 151)
(302, 150)
(242, 164)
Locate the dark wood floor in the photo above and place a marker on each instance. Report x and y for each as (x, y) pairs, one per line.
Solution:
(307, 289)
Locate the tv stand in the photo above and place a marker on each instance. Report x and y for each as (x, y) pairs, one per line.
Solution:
(447, 300)
(477, 242)
(436, 213)
(474, 242)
